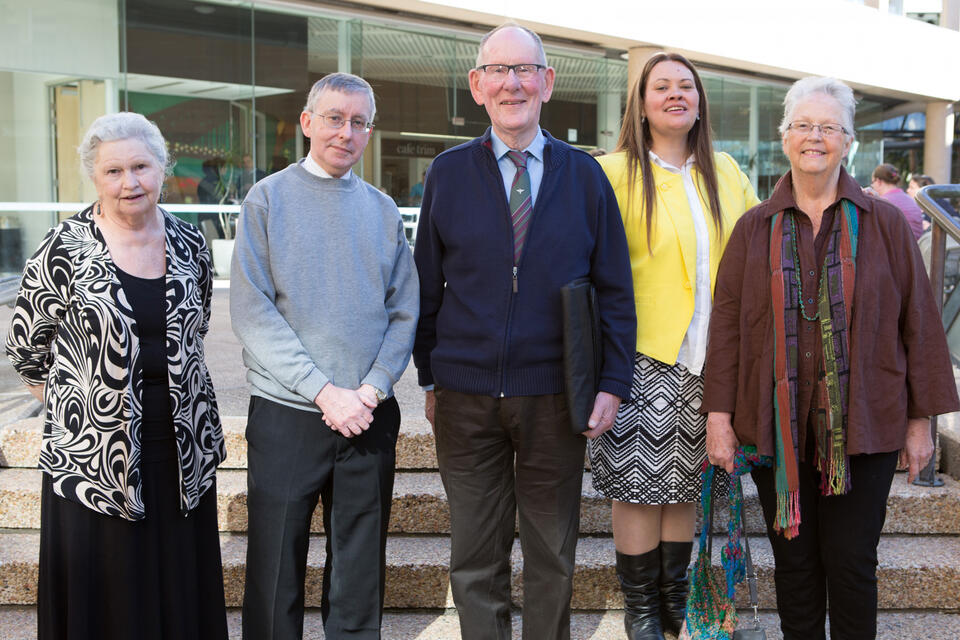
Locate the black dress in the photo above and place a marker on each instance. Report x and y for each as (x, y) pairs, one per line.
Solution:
(106, 578)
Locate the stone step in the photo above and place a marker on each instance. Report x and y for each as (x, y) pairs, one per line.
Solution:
(20, 622)
(420, 505)
(914, 573)
(20, 443)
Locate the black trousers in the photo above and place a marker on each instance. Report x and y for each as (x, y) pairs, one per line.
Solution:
(835, 552)
(293, 459)
(498, 455)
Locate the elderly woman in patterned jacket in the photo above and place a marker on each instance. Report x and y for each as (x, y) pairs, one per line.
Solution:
(108, 334)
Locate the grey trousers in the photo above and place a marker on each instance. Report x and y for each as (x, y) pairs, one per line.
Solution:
(294, 459)
(499, 456)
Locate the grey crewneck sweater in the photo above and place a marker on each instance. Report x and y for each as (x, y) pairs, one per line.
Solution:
(323, 287)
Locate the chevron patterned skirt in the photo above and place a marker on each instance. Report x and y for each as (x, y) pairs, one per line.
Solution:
(654, 451)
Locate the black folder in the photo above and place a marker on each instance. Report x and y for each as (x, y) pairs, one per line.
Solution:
(582, 350)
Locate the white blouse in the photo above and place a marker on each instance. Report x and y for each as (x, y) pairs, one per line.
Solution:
(693, 350)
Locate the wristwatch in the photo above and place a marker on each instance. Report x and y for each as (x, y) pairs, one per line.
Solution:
(381, 395)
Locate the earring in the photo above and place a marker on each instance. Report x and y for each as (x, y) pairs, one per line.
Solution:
(698, 116)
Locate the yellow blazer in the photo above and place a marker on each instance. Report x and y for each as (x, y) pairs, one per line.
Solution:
(664, 277)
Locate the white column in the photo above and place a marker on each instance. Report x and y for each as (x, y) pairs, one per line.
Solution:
(753, 140)
(950, 14)
(608, 119)
(938, 141)
(344, 53)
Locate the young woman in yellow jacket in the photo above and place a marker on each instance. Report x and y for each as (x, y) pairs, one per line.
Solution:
(679, 201)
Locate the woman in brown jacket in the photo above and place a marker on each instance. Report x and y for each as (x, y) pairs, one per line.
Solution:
(827, 354)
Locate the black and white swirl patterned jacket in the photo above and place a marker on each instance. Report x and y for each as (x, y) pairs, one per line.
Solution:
(73, 329)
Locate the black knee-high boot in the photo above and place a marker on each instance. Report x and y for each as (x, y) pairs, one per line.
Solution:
(674, 585)
(639, 579)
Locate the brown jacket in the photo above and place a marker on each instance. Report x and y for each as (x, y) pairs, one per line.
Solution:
(900, 367)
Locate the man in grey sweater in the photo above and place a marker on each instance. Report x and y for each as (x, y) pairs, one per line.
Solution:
(324, 298)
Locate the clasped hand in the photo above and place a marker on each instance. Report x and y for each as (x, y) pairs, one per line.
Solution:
(347, 411)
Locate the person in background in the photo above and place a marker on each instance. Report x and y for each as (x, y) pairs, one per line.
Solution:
(886, 179)
(919, 181)
(679, 201)
(827, 354)
(108, 333)
(247, 176)
(323, 297)
(416, 192)
(507, 220)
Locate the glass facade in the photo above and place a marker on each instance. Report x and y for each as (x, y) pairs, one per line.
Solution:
(226, 82)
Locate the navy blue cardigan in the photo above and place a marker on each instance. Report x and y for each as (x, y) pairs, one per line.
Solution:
(476, 335)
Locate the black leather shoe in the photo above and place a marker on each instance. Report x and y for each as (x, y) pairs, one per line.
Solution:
(674, 584)
(639, 579)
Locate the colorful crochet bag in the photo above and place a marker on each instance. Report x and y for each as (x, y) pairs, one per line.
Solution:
(711, 614)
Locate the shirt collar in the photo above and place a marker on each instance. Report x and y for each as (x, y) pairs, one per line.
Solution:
(663, 164)
(311, 165)
(535, 148)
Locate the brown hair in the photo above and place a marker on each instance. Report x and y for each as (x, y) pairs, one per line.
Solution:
(887, 173)
(636, 140)
(922, 179)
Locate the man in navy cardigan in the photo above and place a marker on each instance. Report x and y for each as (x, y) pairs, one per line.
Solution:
(507, 219)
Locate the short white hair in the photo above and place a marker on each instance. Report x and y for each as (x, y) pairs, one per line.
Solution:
(344, 83)
(123, 126)
(513, 25)
(806, 87)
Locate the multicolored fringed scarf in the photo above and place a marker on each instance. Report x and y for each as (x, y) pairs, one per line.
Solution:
(711, 614)
(835, 298)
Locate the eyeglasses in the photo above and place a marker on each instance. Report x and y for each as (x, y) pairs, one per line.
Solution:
(523, 72)
(826, 130)
(337, 122)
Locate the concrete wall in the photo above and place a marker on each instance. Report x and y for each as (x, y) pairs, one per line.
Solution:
(67, 37)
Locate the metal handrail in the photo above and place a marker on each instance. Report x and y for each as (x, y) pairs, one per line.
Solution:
(943, 225)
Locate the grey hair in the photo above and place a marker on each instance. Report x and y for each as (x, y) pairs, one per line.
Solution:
(806, 87)
(344, 83)
(513, 25)
(123, 126)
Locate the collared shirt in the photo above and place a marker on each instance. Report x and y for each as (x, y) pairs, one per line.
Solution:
(311, 165)
(811, 250)
(534, 163)
(899, 364)
(693, 350)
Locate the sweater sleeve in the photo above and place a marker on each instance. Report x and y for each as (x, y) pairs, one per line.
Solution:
(265, 334)
(401, 302)
(428, 254)
(611, 275)
(41, 305)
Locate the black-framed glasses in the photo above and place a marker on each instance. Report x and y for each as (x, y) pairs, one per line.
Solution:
(828, 130)
(501, 71)
(336, 121)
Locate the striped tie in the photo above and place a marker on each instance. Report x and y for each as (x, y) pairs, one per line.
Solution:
(521, 202)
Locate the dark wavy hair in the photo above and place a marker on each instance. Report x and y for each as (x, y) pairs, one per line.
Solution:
(636, 140)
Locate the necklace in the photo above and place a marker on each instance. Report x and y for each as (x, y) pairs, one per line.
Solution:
(796, 262)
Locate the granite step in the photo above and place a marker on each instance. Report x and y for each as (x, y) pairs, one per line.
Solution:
(20, 443)
(914, 572)
(420, 505)
(19, 623)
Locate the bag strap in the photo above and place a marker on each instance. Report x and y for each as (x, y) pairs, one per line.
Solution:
(751, 571)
